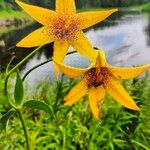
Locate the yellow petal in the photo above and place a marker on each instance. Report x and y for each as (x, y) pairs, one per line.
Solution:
(71, 72)
(128, 73)
(101, 59)
(90, 18)
(65, 6)
(95, 96)
(42, 15)
(76, 93)
(36, 38)
(114, 88)
(83, 46)
(60, 50)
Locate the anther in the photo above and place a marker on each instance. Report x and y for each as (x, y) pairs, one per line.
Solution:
(97, 76)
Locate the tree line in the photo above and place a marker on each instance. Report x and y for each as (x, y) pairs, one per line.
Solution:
(5, 4)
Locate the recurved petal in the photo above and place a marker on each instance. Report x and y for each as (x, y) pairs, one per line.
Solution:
(65, 6)
(83, 46)
(128, 73)
(95, 97)
(101, 59)
(60, 50)
(70, 71)
(90, 18)
(76, 93)
(114, 88)
(36, 38)
(42, 15)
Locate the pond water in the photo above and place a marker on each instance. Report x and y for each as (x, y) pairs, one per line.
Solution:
(125, 38)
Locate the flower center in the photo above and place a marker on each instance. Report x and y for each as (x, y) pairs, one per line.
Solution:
(97, 76)
(66, 27)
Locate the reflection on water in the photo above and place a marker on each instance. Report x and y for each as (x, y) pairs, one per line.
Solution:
(127, 42)
(125, 37)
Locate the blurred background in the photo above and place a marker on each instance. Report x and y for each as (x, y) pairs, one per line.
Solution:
(125, 38)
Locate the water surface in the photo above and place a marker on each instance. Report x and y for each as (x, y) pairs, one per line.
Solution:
(125, 38)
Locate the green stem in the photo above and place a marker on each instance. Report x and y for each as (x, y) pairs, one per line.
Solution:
(11, 103)
(35, 67)
(41, 64)
(16, 67)
(6, 90)
(24, 128)
(24, 60)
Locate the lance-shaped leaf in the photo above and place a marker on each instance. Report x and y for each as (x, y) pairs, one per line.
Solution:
(19, 90)
(5, 118)
(36, 104)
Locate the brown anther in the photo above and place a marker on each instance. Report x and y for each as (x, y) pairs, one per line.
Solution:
(65, 28)
(97, 76)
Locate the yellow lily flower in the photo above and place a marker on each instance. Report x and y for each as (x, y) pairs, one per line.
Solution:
(63, 27)
(97, 79)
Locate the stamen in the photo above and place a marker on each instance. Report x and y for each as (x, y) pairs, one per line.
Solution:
(97, 76)
(66, 27)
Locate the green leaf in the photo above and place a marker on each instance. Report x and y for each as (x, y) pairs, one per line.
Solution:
(19, 91)
(36, 104)
(5, 118)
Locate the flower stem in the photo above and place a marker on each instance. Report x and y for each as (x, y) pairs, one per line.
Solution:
(41, 64)
(24, 60)
(35, 67)
(24, 128)
(16, 67)
(11, 103)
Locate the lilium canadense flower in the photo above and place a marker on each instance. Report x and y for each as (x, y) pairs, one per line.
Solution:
(63, 27)
(97, 79)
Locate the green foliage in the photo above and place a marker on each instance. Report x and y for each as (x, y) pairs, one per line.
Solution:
(19, 90)
(2, 97)
(74, 127)
(36, 104)
(5, 118)
(13, 14)
(9, 9)
(146, 7)
(7, 5)
(10, 4)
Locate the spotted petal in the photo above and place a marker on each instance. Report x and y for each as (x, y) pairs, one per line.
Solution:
(83, 46)
(37, 38)
(60, 50)
(42, 15)
(76, 93)
(95, 97)
(129, 73)
(65, 6)
(114, 88)
(89, 19)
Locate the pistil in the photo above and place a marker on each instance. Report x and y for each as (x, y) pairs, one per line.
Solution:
(97, 76)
